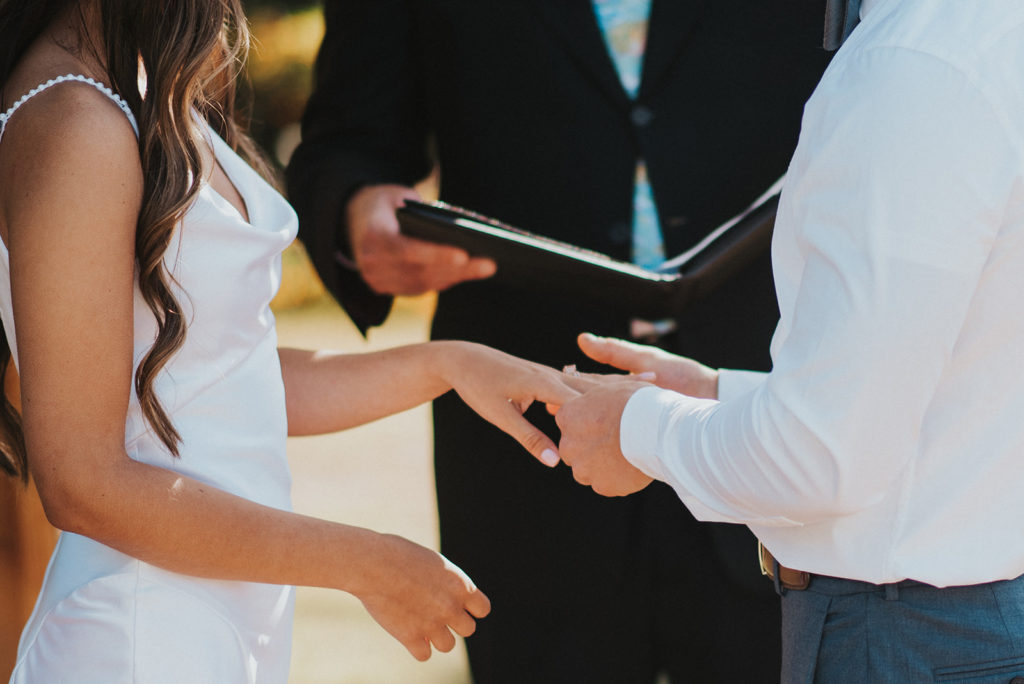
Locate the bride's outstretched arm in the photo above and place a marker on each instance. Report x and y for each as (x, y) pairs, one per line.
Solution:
(330, 391)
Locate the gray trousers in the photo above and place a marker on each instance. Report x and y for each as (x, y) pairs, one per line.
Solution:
(846, 632)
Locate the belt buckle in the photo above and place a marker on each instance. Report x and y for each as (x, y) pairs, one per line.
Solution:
(770, 568)
(762, 562)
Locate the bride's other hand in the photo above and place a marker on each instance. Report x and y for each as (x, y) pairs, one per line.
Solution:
(419, 597)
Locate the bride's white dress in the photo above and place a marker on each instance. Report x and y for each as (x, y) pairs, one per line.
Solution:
(106, 617)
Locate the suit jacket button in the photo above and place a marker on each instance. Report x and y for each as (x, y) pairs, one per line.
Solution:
(641, 116)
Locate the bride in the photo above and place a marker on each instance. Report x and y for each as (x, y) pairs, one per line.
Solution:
(140, 251)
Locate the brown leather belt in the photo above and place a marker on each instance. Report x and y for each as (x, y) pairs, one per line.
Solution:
(787, 577)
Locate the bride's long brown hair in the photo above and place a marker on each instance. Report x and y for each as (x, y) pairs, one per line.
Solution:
(191, 52)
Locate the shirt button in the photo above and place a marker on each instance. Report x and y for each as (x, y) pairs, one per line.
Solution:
(641, 116)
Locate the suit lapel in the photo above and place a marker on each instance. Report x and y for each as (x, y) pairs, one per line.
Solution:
(574, 25)
(667, 34)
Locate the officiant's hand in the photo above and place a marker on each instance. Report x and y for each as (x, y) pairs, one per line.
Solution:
(392, 263)
(672, 372)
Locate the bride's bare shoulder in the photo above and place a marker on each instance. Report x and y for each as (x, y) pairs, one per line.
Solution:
(67, 145)
(67, 111)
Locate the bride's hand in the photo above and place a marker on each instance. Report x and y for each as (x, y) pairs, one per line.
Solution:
(500, 388)
(418, 596)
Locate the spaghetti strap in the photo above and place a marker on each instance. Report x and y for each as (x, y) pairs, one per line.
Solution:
(114, 97)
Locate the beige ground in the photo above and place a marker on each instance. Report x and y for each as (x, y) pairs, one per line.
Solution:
(378, 476)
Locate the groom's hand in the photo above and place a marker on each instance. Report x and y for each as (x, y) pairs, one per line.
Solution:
(590, 439)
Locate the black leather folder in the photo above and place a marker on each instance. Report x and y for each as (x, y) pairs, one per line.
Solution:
(558, 269)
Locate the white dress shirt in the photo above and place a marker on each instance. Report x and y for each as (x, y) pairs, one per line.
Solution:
(888, 440)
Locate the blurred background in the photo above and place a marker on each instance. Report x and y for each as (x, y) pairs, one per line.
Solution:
(286, 35)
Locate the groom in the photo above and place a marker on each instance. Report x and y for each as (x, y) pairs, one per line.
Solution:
(879, 461)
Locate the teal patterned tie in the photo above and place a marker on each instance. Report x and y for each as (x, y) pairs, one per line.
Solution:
(624, 26)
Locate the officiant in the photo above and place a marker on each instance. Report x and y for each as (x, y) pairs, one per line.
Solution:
(629, 127)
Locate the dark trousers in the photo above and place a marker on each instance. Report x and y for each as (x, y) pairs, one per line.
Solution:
(594, 590)
(846, 632)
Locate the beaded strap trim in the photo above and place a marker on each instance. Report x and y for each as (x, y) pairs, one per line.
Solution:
(5, 117)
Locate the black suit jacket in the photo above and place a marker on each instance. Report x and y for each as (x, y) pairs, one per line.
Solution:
(520, 104)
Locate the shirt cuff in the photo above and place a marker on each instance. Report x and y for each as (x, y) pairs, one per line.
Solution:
(733, 383)
(644, 420)
(642, 423)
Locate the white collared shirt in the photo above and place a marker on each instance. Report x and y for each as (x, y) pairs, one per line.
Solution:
(888, 441)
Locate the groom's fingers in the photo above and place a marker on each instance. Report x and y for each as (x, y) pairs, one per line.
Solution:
(613, 352)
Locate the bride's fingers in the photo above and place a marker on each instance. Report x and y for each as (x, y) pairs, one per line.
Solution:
(549, 387)
(521, 405)
(532, 439)
(510, 419)
(584, 382)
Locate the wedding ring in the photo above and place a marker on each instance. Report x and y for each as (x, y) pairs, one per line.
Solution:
(571, 370)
